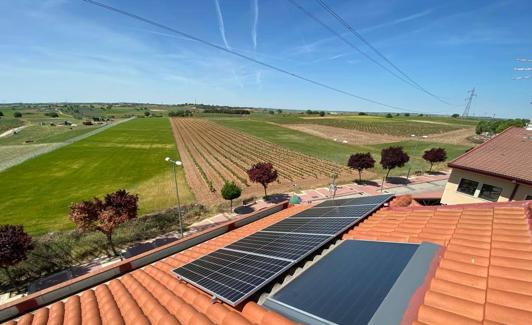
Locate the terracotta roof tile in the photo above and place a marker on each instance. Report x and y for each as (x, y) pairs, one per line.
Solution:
(152, 295)
(507, 155)
(485, 273)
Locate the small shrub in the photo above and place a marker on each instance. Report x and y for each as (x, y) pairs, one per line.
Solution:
(17, 114)
(231, 191)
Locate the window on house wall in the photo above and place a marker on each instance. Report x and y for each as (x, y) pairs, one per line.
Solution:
(467, 186)
(490, 192)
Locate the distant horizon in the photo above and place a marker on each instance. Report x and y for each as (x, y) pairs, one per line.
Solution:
(264, 108)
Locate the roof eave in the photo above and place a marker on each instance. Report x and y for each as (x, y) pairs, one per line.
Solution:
(490, 173)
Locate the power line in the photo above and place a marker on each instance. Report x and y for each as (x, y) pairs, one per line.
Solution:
(267, 65)
(324, 25)
(379, 53)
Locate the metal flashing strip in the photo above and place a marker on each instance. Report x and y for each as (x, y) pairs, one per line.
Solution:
(294, 313)
(394, 305)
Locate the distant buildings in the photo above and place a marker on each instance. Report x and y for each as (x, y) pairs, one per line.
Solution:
(498, 170)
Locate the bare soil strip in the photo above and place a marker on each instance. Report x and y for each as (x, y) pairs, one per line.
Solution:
(356, 137)
(213, 154)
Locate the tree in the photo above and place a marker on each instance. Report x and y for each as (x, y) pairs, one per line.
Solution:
(362, 113)
(106, 215)
(361, 161)
(17, 114)
(279, 111)
(407, 114)
(271, 112)
(263, 173)
(322, 113)
(393, 157)
(231, 191)
(455, 115)
(147, 113)
(1, 113)
(435, 155)
(389, 115)
(14, 244)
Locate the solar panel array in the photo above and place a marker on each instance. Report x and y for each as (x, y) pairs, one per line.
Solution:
(240, 269)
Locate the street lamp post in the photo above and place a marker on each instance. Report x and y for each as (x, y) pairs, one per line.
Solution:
(176, 163)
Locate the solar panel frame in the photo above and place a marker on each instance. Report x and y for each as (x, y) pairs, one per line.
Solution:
(327, 226)
(280, 244)
(348, 211)
(236, 289)
(373, 199)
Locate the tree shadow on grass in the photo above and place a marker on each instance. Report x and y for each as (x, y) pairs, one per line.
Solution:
(398, 180)
(367, 183)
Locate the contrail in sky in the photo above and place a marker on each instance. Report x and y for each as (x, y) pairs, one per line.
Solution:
(255, 22)
(221, 25)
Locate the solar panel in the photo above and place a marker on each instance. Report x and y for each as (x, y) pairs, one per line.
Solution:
(347, 285)
(325, 226)
(292, 246)
(350, 211)
(231, 276)
(233, 273)
(376, 200)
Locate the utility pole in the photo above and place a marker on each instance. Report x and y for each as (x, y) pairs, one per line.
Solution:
(469, 100)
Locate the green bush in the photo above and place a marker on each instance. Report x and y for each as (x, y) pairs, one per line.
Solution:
(497, 126)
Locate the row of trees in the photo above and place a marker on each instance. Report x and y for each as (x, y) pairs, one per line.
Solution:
(393, 157)
(182, 113)
(311, 112)
(497, 126)
(227, 111)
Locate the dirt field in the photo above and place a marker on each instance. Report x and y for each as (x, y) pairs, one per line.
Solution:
(356, 137)
(213, 154)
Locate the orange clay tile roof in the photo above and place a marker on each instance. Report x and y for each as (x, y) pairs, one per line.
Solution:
(485, 273)
(152, 295)
(508, 155)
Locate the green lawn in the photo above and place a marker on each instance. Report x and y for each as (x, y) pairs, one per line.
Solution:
(330, 150)
(38, 192)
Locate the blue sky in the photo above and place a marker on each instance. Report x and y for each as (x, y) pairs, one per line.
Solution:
(68, 50)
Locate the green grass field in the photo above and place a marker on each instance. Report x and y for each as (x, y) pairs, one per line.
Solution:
(38, 192)
(334, 151)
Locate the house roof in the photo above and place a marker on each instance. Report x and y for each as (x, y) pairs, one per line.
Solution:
(485, 273)
(507, 155)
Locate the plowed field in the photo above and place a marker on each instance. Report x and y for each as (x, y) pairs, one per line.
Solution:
(213, 154)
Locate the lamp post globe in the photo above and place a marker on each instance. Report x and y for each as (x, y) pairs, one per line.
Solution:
(174, 164)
